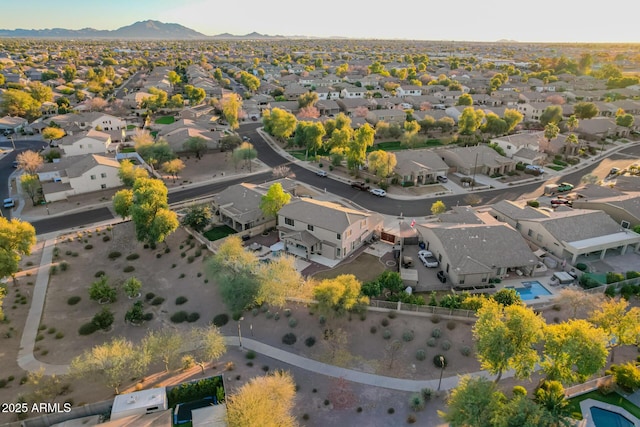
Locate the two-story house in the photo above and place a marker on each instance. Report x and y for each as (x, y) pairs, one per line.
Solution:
(90, 142)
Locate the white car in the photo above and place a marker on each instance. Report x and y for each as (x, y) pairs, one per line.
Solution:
(8, 203)
(378, 192)
(427, 258)
(321, 173)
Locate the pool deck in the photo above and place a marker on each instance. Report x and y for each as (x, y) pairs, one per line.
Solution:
(544, 282)
(587, 404)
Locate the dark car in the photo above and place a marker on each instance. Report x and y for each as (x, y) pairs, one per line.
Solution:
(360, 185)
(558, 202)
(442, 276)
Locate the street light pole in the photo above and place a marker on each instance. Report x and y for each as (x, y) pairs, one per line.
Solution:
(240, 332)
(441, 371)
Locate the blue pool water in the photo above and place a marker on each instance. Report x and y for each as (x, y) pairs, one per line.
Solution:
(604, 418)
(531, 290)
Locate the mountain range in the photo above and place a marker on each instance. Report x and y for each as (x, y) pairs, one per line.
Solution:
(149, 30)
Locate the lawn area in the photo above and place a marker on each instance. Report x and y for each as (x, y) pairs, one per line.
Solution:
(611, 398)
(397, 145)
(165, 120)
(216, 233)
(366, 268)
(600, 277)
(298, 154)
(555, 167)
(131, 127)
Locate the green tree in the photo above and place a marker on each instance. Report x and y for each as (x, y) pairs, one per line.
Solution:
(513, 118)
(550, 395)
(231, 107)
(29, 161)
(157, 153)
(128, 172)
(619, 322)
(113, 363)
(195, 95)
(470, 120)
(382, 163)
(69, 73)
(438, 207)
(309, 135)
(278, 280)
(627, 376)
(572, 140)
(245, 152)
(551, 130)
(122, 202)
(263, 401)
(391, 281)
(279, 123)
(274, 200)
(52, 133)
(625, 120)
(476, 402)
(16, 239)
(357, 148)
(573, 351)
(506, 338)
(551, 114)
(197, 217)
(132, 287)
(174, 78)
(19, 103)
(308, 99)
(494, 125)
(229, 142)
(173, 168)
(339, 294)
(465, 99)
(100, 290)
(507, 296)
(585, 110)
(176, 101)
(166, 346)
(251, 82)
(207, 344)
(197, 145)
(30, 184)
(572, 123)
(40, 92)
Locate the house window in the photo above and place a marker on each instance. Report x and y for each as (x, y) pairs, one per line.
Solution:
(309, 227)
(289, 221)
(530, 233)
(484, 280)
(81, 146)
(461, 282)
(337, 252)
(103, 175)
(539, 237)
(339, 236)
(517, 226)
(93, 177)
(103, 186)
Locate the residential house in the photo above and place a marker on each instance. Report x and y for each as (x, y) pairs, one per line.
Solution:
(408, 90)
(474, 253)
(388, 116)
(569, 233)
(327, 92)
(448, 97)
(523, 147)
(89, 120)
(89, 142)
(14, 124)
(533, 110)
(479, 159)
(353, 92)
(328, 107)
(624, 209)
(309, 226)
(350, 105)
(419, 166)
(600, 128)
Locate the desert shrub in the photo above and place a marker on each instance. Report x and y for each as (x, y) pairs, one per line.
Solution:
(451, 325)
(51, 330)
(268, 315)
(103, 319)
(293, 322)
(276, 316)
(132, 256)
(386, 334)
(147, 317)
(431, 342)
(99, 274)
(88, 247)
(193, 317)
(465, 350)
(39, 337)
(179, 316)
(149, 296)
(250, 355)
(426, 393)
(421, 354)
(435, 318)
(220, 320)
(59, 335)
(157, 301)
(519, 391)
(391, 411)
(310, 341)
(322, 319)
(128, 269)
(289, 338)
(581, 266)
(114, 255)
(53, 270)
(446, 345)
(64, 266)
(87, 329)
(436, 333)
(384, 322)
(392, 315)
(408, 336)
(181, 300)
(190, 259)
(373, 329)
(287, 312)
(416, 402)
(411, 419)
(440, 361)
(181, 276)
(73, 300)
(106, 238)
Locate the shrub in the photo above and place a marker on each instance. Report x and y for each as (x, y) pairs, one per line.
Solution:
(51, 330)
(451, 325)
(128, 269)
(431, 342)
(181, 300)
(581, 266)
(416, 402)
(421, 354)
(627, 376)
(157, 301)
(384, 322)
(533, 203)
(103, 319)
(293, 322)
(193, 317)
(386, 334)
(322, 319)
(114, 255)
(392, 315)
(265, 368)
(220, 320)
(99, 274)
(59, 335)
(64, 266)
(106, 238)
(87, 329)
(250, 355)
(268, 315)
(149, 296)
(287, 312)
(411, 419)
(305, 417)
(135, 314)
(373, 329)
(465, 350)
(519, 391)
(53, 270)
(310, 341)
(179, 317)
(446, 345)
(147, 317)
(435, 318)
(408, 336)
(289, 339)
(436, 333)
(276, 316)
(39, 337)
(440, 361)
(426, 393)
(391, 411)
(132, 257)
(73, 300)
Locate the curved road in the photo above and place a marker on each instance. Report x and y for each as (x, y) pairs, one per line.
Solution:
(389, 206)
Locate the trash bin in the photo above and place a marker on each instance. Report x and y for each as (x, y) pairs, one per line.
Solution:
(422, 245)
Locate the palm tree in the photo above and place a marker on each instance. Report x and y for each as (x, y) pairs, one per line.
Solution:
(571, 140)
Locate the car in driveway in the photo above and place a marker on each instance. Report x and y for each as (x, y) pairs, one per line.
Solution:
(362, 186)
(442, 276)
(378, 192)
(427, 259)
(8, 203)
(558, 202)
(442, 178)
(321, 173)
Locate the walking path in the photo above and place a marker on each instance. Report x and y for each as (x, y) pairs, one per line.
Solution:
(27, 360)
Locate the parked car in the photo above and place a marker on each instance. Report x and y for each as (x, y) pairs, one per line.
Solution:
(442, 276)
(427, 259)
(378, 192)
(360, 185)
(8, 203)
(534, 168)
(565, 186)
(321, 173)
(442, 178)
(558, 202)
(15, 164)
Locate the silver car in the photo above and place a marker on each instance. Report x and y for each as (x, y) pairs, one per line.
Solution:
(427, 259)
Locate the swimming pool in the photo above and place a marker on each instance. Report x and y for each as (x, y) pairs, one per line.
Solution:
(603, 418)
(531, 290)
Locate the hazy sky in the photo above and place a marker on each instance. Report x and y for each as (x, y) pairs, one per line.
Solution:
(482, 20)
